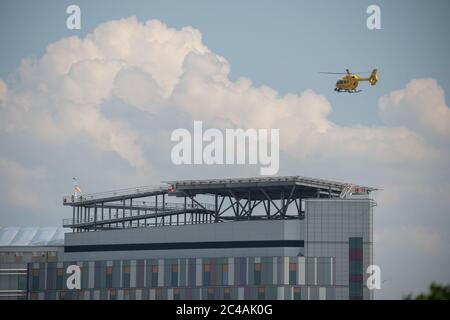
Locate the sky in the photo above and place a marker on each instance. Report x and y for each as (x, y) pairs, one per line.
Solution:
(100, 104)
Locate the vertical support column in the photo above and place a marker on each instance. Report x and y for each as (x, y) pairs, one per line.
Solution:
(131, 212)
(249, 209)
(123, 213)
(138, 214)
(78, 217)
(95, 218)
(299, 207)
(216, 208)
(163, 218)
(185, 200)
(156, 210)
(194, 214)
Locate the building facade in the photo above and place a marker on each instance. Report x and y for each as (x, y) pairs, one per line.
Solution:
(282, 238)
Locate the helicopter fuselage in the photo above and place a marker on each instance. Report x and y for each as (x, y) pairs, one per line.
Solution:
(347, 83)
(350, 81)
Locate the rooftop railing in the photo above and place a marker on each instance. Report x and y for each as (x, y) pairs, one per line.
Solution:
(114, 193)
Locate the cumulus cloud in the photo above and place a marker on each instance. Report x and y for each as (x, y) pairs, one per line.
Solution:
(105, 106)
(3, 92)
(59, 95)
(138, 89)
(155, 68)
(420, 107)
(21, 185)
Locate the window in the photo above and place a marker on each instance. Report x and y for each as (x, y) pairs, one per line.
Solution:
(154, 275)
(174, 275)
(158, 294)
(109, 270)
(292, 273)
(257, 273)
(224, 273)
(210, 293)
(226, 293)
(176, 293)
(109, 276)
(297, 293)
(113, 294)
(261, 293)
(22, 282)
(126, 276)
(206, 274)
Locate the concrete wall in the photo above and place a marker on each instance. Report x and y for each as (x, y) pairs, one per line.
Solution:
(216, 232)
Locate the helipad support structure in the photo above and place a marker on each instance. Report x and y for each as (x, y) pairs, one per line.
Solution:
(249, 238)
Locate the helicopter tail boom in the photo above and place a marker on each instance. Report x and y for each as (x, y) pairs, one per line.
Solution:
(373, 79)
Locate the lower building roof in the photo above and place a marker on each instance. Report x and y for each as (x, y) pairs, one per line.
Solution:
(32, 236)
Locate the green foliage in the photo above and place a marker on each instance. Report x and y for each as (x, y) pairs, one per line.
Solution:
(436, 292)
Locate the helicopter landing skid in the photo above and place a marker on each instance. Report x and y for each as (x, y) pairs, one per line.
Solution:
(346, 90)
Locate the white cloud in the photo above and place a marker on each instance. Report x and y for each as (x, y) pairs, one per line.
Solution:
(138, 89)
(3, 92)
(21, 186)
(59, 95)
(420, 107)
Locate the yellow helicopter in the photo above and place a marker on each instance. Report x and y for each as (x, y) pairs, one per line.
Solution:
(350, 81)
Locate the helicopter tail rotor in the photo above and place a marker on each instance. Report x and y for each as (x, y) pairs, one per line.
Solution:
(373, 79)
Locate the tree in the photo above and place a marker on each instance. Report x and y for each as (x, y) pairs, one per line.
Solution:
(436, 292)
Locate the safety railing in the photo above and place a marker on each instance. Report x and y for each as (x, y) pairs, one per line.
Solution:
(143, 205)
(113, 193)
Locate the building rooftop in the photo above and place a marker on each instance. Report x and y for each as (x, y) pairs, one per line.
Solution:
(308, 187)
(32, 236)
(229, 199)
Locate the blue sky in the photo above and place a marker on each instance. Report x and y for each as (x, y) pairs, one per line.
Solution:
(73, 110)
(282, 44)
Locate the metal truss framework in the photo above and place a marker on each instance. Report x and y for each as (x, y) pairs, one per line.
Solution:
(233, 200)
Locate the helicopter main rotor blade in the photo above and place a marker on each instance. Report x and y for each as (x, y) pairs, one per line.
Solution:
(356, 72)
